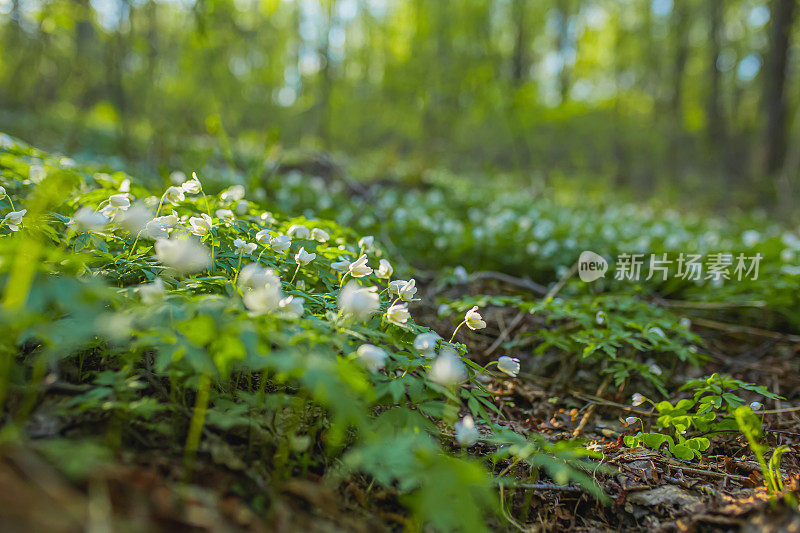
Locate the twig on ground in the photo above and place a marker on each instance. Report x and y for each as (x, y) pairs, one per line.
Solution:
(601, 401)
(685, 304)
(523, 283)
(590, 411)
(734, 328)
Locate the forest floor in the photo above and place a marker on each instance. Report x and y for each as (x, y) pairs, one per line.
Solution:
(144, 484)
(648, 491)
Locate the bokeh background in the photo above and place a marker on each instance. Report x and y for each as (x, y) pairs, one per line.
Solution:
(690, 102)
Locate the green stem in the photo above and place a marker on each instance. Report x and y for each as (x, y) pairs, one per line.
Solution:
(296, 270)
(198, 419)
(133, 247)
(160, 203)
(456, 330)
(12, 203)
(238, 268)
(341, 283)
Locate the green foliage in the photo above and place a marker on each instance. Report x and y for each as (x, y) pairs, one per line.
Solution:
(684, 425)
(190, 339)
(750, 426)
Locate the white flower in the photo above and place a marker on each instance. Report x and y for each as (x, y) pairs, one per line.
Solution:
(654, 369)
(263, 237)
(116, 204)
(292, 305)
(359, 268)
(685, 322)
(630, 420)
(244, 247)
(755, 406)
(224, 214)
(254, 276)
(87, 219)
(385, 269)
(425, 343)
(637, 399)
(442, 310)
(14, 219)
(151, 292)
(37, 173)
(281, 243)
(3, 194)
(262, 300)
(407, 290)
(460, 273)
(372, 357)
(267, 217)
(509, 365)
(232, 194)
(473, 319)
(342, 264)
(366, 244)
(448, 369)
(657, 331)
(398, 314)
(299, 231)
(303, 258)
(168, 221)
(175, 195)
(135, 219)
(242, 207)
(320, 235)
(193, 185)
(120, 201)
(358, 302)
(177, 177)
(201, 225)
(600, 318)
(261, 288)
(184, 255)
(394, 286)
(155, 229)
(466, 432)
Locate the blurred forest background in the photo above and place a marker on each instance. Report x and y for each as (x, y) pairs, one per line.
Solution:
(693, 100)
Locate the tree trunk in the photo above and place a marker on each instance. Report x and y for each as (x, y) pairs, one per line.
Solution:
(563, 43)
(715, 127)
(680, 24)
(519, 60)
(774, 98)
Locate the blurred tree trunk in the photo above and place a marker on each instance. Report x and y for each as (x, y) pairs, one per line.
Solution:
(326, 81)
(680, 27)
(563, 7)
(151, 103)
(84, 48)
(116, 56)
(715, 123)
(773, 98)
(519, 60)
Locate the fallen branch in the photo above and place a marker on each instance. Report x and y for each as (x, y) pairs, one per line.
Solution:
(685, 304)
(511, 280)
(733, 328)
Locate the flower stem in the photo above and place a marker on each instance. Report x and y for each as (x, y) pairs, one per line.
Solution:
(456, 330)
(198, 419)
(238, 268)
(296, 270)
(12, 203)
(160, 203)
(133, 247)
